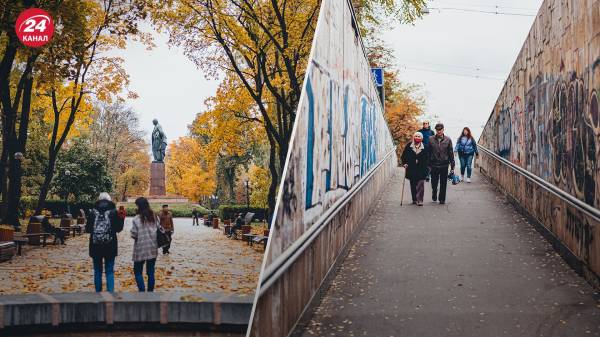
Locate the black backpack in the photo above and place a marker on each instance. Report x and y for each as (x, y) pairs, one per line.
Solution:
(102, 231)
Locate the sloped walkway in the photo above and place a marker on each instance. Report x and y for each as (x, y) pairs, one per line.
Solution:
(472, 267)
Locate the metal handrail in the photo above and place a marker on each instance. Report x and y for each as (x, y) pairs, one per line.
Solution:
(273, 271)
(566, 197)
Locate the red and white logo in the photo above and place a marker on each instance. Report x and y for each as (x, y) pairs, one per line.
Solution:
(34, 27)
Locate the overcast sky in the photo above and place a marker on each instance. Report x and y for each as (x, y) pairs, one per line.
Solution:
(455, 41)
(443, 51)
(170, 87)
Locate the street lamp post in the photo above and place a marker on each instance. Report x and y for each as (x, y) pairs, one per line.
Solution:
(67, 175)
(213, 201)
(247, 184)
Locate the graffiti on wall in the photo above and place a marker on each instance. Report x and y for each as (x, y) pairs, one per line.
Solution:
(341, 133)
(546, 118)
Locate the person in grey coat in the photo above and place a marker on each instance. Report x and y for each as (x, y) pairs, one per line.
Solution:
(441, 155)
(145, 248)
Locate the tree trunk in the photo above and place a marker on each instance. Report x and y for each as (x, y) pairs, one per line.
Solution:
(19, 144)
(4, 177)
(124, 194)
(14, 193)
(8, 116)
(272, 196)
(45, 188)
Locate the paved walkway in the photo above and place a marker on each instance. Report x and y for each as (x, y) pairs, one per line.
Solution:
(473, 267)
(202, 259)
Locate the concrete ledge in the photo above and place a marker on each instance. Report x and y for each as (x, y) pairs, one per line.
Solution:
(146, 311)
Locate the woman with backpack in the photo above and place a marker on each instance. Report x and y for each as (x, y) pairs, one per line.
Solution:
(145, 248)
(103, 224)
(466, 147)
(415, 159)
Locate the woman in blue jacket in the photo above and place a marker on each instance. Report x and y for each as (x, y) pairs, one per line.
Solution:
(466, 147)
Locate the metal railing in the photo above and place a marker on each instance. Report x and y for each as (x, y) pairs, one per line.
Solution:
(283, 262)
(548, 187)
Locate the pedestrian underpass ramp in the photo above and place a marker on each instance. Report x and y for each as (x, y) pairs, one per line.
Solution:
(542, 140)
(341, 155)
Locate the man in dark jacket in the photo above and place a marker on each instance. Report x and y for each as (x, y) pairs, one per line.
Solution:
(195, 219)
(103, 224)
(441, 155)
(426, 132)
(166, 221)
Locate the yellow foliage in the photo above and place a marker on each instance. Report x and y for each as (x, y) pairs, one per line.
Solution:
(231, 124)
(82, 118)
(188, 173)
(260, 179)
(134, 179)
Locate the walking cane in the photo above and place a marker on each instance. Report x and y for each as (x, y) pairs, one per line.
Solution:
(403, 182)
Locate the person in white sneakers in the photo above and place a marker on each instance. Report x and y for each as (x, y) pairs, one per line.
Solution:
(466, 147)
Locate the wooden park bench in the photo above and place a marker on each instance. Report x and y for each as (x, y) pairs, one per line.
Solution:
(20, 241)
(7, 250)
(77, 229)
(246, 228)
(66, 223)
(34, 232)
(261, 238)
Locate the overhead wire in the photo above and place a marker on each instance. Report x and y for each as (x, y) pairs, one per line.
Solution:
(478, 11)
(485, 77)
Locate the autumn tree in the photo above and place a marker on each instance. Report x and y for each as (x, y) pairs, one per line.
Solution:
(404, 103)
(263, 44)
(17, 69)
(116, 134)
(66, 71)
(230, 133)
(189, 172)
(81, 172)
(77, 66)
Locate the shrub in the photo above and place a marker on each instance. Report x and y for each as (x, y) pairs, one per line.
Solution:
(178, 210)
(55, 206)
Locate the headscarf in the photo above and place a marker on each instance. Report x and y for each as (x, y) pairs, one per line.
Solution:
(417, 147)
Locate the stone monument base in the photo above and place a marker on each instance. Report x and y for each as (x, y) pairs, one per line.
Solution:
(157, 179)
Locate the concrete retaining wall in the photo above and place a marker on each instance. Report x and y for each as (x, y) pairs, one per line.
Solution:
(39, 313)
(547, 121)
(341, 153)
(282, 305)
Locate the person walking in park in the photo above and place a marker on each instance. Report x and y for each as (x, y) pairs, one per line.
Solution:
(426, 132)
(195, 219)
(466, 147)
(103, 224)
(415, 158)
(145, 247)
(441, 155)
(166, 221)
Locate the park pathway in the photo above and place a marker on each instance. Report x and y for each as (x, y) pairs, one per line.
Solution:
(472, 267)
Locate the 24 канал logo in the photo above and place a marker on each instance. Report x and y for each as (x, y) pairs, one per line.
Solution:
(34, 27)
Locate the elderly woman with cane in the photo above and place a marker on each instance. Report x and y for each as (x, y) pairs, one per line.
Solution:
(415, 160)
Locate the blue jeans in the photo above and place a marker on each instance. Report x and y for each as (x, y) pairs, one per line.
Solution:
(466, 162)
(109, 270)
(138, 267)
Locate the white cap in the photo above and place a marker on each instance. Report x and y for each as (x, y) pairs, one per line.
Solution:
(104, 196)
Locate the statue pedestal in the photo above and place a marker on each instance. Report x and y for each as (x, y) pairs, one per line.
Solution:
(157, 179)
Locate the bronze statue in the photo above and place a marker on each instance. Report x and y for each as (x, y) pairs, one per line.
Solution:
(159, 142)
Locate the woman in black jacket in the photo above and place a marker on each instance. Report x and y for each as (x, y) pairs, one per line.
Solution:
(103, 224)
(415, 159)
